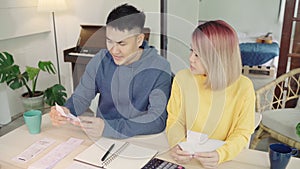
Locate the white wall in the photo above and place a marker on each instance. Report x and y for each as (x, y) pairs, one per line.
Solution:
(21, 18)
(182, 20)
(254, 17)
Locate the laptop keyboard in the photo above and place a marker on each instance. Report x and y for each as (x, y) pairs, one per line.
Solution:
(156, 163)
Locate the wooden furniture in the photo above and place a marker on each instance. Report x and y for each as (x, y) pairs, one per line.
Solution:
(279, 121)
(92, 38)
(290, 38)
(18, 140)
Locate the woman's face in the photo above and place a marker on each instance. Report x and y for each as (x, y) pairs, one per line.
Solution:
(196, 66)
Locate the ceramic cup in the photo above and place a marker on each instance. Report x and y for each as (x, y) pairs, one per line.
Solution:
(280, 154)
(33, 119)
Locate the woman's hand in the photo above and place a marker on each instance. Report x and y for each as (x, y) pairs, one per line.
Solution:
(208, 160)
(180, 156)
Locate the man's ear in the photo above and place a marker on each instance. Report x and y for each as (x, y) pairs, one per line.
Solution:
(140, 39)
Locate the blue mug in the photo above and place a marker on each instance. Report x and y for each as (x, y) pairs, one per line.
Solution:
(280, 154)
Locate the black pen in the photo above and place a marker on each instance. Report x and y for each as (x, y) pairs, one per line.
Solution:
(107, 152)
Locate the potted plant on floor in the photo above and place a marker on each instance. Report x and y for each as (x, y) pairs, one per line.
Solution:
(11, 75)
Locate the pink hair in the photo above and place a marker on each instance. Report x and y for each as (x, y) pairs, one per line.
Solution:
(217, 45)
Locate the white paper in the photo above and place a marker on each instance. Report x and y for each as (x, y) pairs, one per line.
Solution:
(55, 155)
(69, 115)
(132, 156)
(34, 150)
(199, 142)
(196, 137)
(79, 165)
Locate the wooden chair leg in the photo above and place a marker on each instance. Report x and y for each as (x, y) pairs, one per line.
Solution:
(257, 138)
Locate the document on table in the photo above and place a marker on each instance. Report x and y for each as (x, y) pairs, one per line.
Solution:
(34, 150)
(55, 155)
(199, 142)
(123, 155)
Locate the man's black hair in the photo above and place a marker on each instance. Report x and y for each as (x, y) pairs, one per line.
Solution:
(126, 17)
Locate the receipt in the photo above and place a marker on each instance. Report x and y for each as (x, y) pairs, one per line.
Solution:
(195, 137)
(199, 142)
(68, 115)
(55, 155)
(33, 150)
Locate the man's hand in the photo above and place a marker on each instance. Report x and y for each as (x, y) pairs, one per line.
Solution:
(92, 126)
(208, 160)
(180, 156)
(56, 118)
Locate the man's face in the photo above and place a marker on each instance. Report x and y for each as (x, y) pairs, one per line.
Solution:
(124, 45)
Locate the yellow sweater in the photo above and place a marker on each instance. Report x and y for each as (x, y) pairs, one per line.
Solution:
(224, 115)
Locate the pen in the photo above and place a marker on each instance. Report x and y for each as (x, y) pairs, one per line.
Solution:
(107, 152)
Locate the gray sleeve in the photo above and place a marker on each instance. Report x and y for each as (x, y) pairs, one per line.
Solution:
(81, 98)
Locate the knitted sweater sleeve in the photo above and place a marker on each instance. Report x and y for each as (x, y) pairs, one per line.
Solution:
(239, 136)
(176, 118)
(86, 90)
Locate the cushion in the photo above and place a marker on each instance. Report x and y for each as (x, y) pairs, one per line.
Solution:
(254, 54)
(283, 121)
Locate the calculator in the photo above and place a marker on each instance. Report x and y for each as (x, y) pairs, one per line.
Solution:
(156, 163)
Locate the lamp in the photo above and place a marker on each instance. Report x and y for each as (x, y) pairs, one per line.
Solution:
(53, 6)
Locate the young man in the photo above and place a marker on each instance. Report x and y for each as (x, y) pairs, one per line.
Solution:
(132, 79)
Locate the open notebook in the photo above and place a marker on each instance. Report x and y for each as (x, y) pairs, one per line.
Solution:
(123, 155)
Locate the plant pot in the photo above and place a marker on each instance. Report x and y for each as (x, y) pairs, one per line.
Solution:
(36, 102)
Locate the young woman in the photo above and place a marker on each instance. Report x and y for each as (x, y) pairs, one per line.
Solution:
(212, 97)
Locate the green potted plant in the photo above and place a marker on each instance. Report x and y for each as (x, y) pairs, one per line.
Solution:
(11, 75)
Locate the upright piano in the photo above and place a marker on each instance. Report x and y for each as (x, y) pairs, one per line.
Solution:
(92, 38)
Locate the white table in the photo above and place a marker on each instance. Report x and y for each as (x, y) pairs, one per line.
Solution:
(19, 139)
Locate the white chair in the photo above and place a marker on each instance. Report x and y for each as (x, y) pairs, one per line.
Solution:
(94, 104)
(279, 119)
(258, 118)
